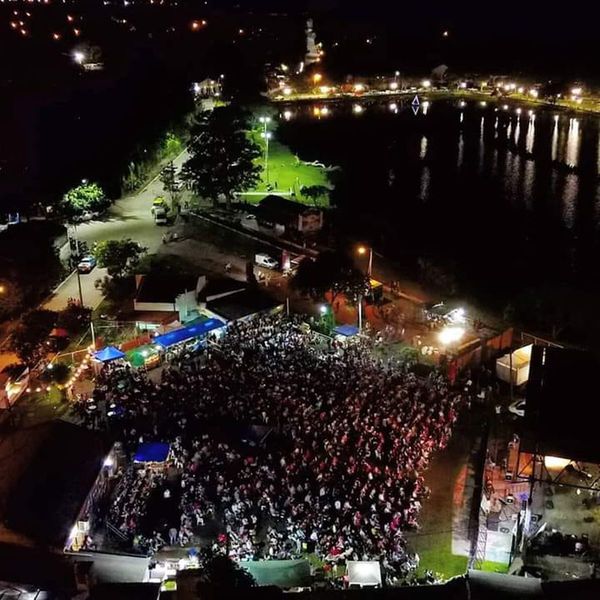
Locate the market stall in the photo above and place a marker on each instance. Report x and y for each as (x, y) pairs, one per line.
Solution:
(189, 337)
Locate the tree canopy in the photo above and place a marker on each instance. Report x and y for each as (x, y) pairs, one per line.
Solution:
(172, 145)
(74, 318)
(27, 340)
(314, 192)
(119, 257)
(331, 272)
(221, 574)
(83, 198)
(222, 156)
(168, 177)
(29, 265)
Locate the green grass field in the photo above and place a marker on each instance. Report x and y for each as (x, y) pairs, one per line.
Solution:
(433, 542)
(494, 567)
(286, 173)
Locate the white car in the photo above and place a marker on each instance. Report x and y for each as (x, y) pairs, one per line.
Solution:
(264, 260)
(517, 408)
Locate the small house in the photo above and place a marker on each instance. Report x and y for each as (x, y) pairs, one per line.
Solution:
(289, 215)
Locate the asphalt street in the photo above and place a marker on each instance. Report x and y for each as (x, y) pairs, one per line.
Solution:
(129, 217)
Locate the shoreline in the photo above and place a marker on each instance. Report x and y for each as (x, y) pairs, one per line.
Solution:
(435, 95)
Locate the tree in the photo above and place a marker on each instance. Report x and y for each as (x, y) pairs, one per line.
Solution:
(172, 145)
(331, 272)
(221, 577)
(11, 297)
(58, 373)
(314, 192)
(29, 264)
(74, 318)
(119, 257)
(27, 340)
(87, 197)
(168, 176)
(223, 158)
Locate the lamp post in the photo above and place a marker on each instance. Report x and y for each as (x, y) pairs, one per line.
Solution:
(360, 301)
(362, 250)
(266, 135)
(92, 332)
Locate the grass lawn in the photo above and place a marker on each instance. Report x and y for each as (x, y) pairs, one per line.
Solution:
(433, 542)
(494, 567)
(286, 173)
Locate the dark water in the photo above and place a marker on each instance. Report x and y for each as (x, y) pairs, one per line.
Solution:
(505, 197)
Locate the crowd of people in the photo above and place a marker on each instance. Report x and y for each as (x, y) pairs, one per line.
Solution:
(340, 473)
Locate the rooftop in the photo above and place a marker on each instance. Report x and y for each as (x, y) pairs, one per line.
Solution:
(164, 288)
(276, 208)
(242, 304)
(557, 411)
(220, 287)
(47, 473)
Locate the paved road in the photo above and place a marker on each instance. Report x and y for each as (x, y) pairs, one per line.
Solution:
(129, 217)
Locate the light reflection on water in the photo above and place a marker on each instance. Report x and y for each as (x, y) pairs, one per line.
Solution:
(537, 158)
(572, 155)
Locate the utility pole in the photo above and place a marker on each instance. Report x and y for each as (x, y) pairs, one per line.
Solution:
(266, 135)
(360, 299)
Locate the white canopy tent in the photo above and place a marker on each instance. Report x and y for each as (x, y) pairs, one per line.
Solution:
(364, 573)
(515, 367)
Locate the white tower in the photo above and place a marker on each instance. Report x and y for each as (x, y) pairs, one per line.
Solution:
(313, 52)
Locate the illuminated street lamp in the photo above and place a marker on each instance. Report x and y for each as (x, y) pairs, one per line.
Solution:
(426, 83)
(576, 91)
(317, 77)
(266, 135)
(362, 250)
(78, 57)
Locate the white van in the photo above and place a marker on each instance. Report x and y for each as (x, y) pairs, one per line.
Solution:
(264, 260)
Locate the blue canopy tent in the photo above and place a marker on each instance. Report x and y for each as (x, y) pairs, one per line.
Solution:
(346, 330)
(107, 354)
(151, 452)
(188, 333)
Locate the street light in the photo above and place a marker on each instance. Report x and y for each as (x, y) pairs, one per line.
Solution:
(266, 135)
(78, 57)
(362, 250)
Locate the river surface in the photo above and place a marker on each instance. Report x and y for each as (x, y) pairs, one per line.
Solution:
(505, 195)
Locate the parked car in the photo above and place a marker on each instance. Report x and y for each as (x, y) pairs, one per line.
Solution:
(160, 215)
(517, 408)
(264, 260)
(86, 264)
